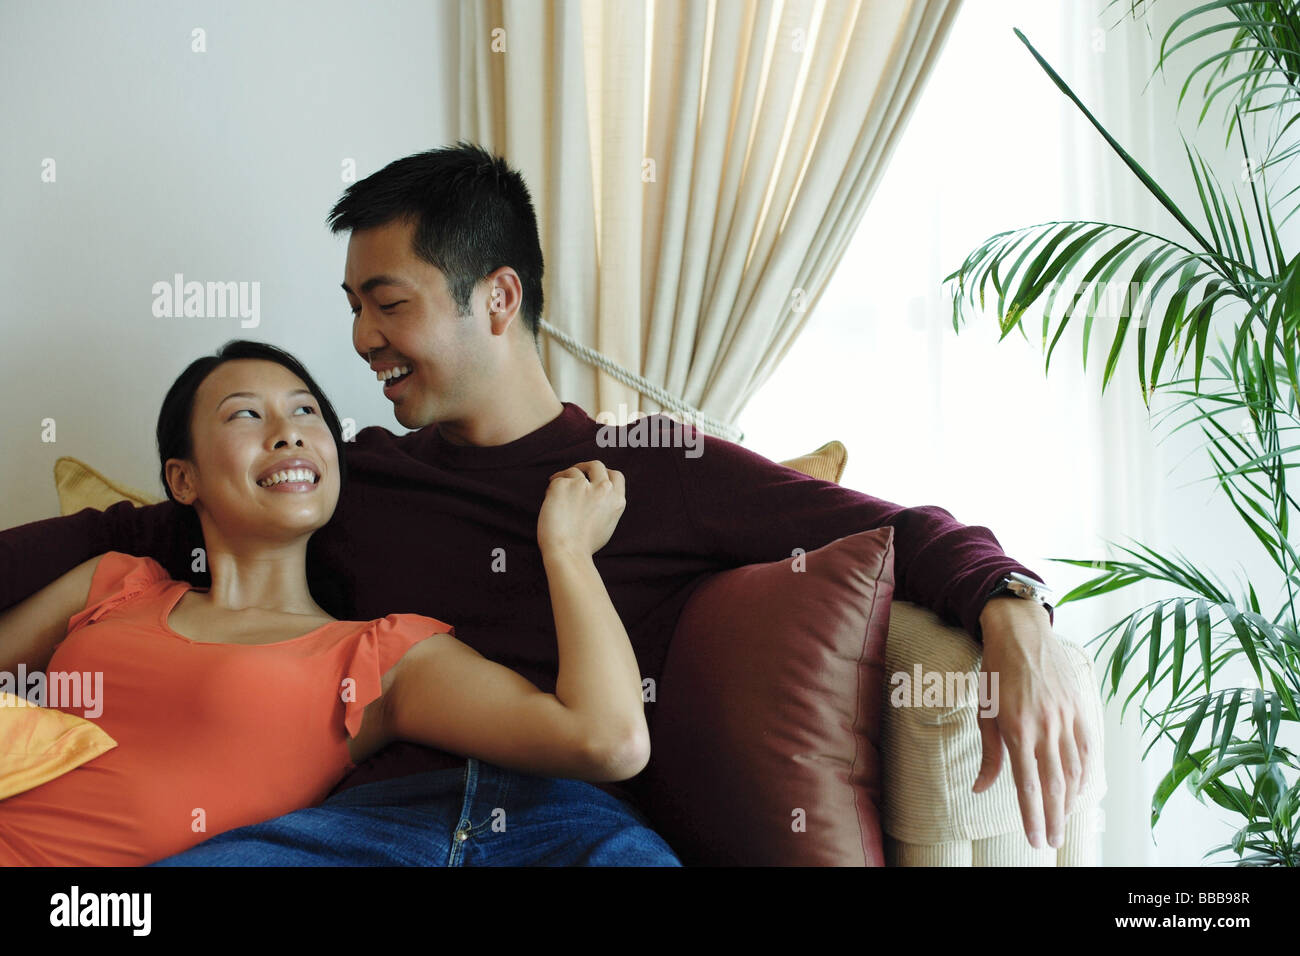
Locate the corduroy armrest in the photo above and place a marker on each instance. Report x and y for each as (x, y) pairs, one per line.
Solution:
(931, 755)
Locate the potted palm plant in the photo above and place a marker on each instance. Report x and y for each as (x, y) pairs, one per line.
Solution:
(1230, 271)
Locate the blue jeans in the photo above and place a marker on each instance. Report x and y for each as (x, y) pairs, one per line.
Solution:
(476, 815)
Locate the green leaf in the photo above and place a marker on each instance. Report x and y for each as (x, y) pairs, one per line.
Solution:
(1120, 657)
(1244, 637)
(1229, 722)
(1030, 286)
(1269, 787)
(1190, 729)
(1203, 631)
(1132, 164)
(1180, 643)
(1103, 282)
(1284, 699)
(1064, 266)
(1171, 323)
(1154, 646)
(1144, 270)
(1169, 783)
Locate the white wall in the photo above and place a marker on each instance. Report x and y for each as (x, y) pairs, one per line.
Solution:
(219, 165)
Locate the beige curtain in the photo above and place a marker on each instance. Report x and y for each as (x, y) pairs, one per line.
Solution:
(698, 170)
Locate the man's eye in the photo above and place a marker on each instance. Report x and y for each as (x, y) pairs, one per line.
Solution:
(310, 409)
(356, 309)
(249, 410)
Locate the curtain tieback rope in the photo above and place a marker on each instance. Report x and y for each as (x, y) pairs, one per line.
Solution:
(680, 408)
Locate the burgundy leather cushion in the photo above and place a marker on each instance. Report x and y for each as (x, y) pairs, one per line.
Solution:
(765, 729)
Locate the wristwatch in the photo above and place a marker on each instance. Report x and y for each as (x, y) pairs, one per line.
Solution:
(1025, 587)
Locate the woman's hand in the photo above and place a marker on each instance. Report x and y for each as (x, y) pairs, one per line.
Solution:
(581, 509)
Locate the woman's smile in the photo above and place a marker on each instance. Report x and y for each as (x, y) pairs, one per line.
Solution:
(293, 485)
(291, 475)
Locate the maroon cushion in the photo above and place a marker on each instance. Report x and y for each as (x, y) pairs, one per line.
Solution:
(765, 730)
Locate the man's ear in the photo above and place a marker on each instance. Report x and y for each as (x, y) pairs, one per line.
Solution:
(505, 298)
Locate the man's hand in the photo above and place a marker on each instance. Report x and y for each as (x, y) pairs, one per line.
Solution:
(1040, 716)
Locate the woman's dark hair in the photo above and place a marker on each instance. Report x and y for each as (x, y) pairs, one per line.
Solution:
(174, 437)
(472, 215)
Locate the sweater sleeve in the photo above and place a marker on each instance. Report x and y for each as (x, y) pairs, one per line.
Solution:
(749, 509)
(34, 554)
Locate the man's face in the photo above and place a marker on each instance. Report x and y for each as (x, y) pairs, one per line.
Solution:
(404, 317)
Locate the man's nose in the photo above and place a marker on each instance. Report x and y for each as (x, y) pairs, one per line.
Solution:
(366, 337)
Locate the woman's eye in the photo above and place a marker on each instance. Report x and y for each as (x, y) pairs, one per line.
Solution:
(249, 410)
(392, 305)
(310, 409)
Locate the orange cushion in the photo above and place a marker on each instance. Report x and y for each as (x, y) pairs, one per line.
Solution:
(38, 744)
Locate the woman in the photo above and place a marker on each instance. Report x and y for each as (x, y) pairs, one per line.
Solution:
(246, 701)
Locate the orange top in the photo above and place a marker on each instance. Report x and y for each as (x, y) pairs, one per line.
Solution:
(210, 736)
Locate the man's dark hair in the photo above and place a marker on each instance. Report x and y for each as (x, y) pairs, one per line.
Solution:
(472, 215)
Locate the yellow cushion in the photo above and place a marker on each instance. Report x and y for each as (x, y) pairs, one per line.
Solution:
(826, 463)
(38, 744)
(81, 486)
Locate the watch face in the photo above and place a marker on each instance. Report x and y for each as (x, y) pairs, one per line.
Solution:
(1036, 588)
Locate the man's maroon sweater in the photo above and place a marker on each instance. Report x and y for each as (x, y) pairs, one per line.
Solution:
(450, 531)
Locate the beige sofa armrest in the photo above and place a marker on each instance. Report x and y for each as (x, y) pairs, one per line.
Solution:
(931, 756)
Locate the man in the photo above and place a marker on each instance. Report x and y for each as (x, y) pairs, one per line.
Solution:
(444, 280)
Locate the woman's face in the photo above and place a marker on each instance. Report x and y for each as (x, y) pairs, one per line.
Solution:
(254, 421)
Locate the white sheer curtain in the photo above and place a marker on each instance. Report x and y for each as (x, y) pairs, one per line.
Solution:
(930, 416)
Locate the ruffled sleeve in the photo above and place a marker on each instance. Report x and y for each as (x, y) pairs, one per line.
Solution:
(118, 578)
(378, 647)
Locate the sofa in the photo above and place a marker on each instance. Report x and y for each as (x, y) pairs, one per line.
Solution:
(927, 756)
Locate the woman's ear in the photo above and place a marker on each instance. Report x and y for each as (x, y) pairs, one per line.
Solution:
(180, 480)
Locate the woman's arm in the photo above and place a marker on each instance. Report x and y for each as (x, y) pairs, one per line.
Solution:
(34, 627)
(445, 694)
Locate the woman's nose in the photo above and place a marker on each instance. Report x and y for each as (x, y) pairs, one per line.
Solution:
(287, 433)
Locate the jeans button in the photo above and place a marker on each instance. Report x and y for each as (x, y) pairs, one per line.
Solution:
(461, 836)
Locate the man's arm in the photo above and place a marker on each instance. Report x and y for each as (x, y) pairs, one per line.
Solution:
(749, 509)
(35, 554)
